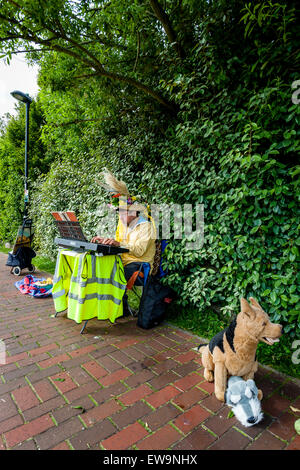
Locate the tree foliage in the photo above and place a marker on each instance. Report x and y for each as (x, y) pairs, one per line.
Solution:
(12, 152)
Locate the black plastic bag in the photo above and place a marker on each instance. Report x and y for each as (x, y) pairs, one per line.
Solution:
(155, 299)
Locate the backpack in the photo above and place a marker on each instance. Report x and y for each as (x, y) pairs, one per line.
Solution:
(154, 301)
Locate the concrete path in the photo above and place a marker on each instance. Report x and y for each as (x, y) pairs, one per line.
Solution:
(119, 387)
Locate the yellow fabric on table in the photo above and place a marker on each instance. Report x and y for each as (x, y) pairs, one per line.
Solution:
(89, 286)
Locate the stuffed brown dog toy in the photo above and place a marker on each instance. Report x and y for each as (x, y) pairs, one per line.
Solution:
(233, 350)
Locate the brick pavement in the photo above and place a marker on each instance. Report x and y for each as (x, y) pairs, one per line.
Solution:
(119, 387)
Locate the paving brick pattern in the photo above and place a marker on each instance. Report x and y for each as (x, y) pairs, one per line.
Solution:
(119, 387)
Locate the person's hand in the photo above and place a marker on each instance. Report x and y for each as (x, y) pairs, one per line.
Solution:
(110, 241)
(97, 239)
(105, 241)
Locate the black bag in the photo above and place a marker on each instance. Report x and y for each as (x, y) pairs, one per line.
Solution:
(22, 258)
(154, 302)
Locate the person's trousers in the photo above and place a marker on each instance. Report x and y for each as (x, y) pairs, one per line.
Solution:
(129, 269)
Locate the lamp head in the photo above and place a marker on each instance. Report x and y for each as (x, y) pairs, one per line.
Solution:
(19, 95)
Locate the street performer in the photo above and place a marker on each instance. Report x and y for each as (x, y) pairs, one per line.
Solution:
(136, 232)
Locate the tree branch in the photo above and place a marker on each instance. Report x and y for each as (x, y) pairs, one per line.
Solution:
(140, 86)
(82, 55)
(137, 51)
(166, 23)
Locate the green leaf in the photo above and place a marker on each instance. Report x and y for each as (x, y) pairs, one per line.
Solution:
(266, 292)
(79, 407)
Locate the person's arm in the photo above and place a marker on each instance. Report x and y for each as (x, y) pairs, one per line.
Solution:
(139, 239)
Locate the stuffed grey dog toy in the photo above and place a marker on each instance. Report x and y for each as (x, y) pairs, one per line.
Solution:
(241, 395)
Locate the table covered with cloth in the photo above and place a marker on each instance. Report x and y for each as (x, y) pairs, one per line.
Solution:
(89, 286)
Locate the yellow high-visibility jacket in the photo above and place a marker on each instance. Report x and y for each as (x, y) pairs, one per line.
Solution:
(81, 281)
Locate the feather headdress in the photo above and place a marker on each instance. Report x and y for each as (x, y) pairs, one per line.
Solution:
(121, 197)
(113, 185)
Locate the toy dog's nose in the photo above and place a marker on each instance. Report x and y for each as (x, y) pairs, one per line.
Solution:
(251, 420)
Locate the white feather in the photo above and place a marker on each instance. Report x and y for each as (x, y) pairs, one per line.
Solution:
(113, 184)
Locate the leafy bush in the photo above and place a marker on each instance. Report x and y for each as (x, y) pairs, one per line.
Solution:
(71, 184)
(12, 150)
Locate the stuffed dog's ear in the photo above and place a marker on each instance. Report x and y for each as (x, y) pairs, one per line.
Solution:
(251, 385)
(246, 309)
(254, 303)
(235, 398)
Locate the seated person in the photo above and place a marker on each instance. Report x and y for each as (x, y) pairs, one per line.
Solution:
(137, 234)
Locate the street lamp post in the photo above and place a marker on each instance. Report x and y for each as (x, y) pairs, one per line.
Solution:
(20, 96)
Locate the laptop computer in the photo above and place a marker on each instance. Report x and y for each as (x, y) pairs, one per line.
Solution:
(72, 236)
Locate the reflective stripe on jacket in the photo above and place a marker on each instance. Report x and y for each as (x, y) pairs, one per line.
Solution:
(81, 281)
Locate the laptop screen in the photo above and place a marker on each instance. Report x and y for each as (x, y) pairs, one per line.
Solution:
(68, 225)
